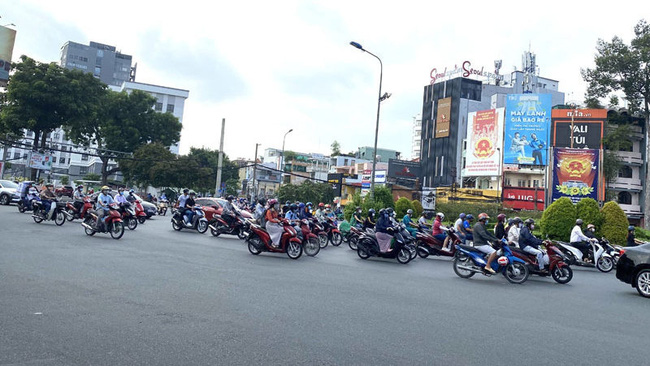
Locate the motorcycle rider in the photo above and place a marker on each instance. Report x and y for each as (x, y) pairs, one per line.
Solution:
(78, 197)
(591, 231)
(631, 242)
(467, 226)
(273, 225)
(119, 197)
(482, 239)
(369, 222)
(530, 244)
(259, 209)
(189, 208)
(356, 220)
(228, 213)
(47, 197)
(408, 223)
(460, 228)
(499, 228)
(181, 202)
(307, 211)
(292, 213)
(580, 240)
(514, 232)
(320, 211)
(103, 200)
(383, 231)
(422, 222)
(439, 233)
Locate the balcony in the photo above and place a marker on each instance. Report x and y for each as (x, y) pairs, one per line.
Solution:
(631, 209)
(631, 158)
(626, 184)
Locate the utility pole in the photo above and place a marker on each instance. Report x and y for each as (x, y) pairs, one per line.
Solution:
(220, 165)
(254, 195)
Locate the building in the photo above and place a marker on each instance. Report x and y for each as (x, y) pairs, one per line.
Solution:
(103, 61)
(417, 137)
(266, 183)
(383, 155)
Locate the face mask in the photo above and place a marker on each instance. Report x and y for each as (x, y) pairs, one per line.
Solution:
(592, 230)
(121, 193)
(487, 222)
(532, 227)
(520, 225)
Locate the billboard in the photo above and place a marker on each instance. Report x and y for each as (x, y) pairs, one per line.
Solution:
(527, 126)
(40, 161)
(7, 39)
(578, 128)
(576, 173)
(336, 181)
(428, 199)
(519, 198)
(443, 117)
(484, 142)
(403, 169)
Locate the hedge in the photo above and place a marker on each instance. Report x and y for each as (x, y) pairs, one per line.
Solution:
(417, 208)
(615, 223)
(401, 206)
(558, 219)
(587, 210)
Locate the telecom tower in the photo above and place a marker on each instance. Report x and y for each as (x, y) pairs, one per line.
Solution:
(529, 84)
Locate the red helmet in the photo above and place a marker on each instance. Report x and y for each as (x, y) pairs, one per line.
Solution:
(483, 216)
(501, 217)
(321, 204)
(272, 202)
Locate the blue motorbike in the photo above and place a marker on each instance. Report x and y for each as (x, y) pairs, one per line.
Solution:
(469, 261)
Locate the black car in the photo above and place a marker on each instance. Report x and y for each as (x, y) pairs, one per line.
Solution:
(634, 268)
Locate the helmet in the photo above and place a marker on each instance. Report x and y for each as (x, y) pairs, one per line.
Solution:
(230, 197)
(262, 201)
(381, 212)
(328, 206)
(483, 216)
(630, 228)
(390, 211)
(441, 215)
(184, 191)
(301, 205)
(192, 192)
(52, 185)
(371, 211)
(461, 216)
(501, 217)
(591, 226)
(133, 191)
(78, 187)
(470, 217)
(321, 204)
(579, 222)
(272, 202)
(516, 220)
(104, 188)
(293, 207)
(309, 204)
(529, 222)
(409, 212)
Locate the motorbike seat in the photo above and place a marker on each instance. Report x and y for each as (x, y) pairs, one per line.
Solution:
(468, 248)
(520, 251)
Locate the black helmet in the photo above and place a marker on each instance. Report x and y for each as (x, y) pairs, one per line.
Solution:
(230, 197)
(516, 220)
(579, 222)
(262, 201)
(630, 228)
(390, 211)
(371, 211)
(469, 217)
(186, 190)
(529, 222)
(309, 204)
(293, 207)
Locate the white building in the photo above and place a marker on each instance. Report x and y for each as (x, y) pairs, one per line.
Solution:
(417, 137)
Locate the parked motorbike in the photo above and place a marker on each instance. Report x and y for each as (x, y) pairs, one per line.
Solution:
(260, 241)
(428, 245)
(469, 261)
(162, 207)
(128, 215)
(368, 246)
(219, 226)
(72, 212)
(55, 213)
(199, 222)
(596, 256)
(112, 224)
(555, 265)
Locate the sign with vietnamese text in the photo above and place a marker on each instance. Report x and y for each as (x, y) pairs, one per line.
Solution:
(40, 161)
(527, 126)
(403, 169)
(576, 173)
(520, 198)
(443, 117)
(578, 128)
(484, 143)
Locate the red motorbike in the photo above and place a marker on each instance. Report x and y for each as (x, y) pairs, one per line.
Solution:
(557, 266)
(309, 240)
(139, 212)
(332, 231)
(260, 241)
(112, 223)
(428, 245)
(72, 212)
(317, 228)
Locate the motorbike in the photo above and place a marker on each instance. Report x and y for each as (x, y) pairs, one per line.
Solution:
(128, 215)
(72, 212)
(308, 239)
(332, 231)
(317, 228)
(368, 246)
(199, 222)
(614, 251)
(596, 256)
(55, 213)
(468, 261)
(162, 207)
(219, 226)
(260, 241)
(26, 204)
(428, 245)
(113, 223)
(354, 235)
(555, 266)
(139, 212)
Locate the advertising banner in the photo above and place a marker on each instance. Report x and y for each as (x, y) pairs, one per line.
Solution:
(523, 198)
(335, 180)
(7, 39)
(484, 142)
(428, 199)
(578, 128)
(443, 117)
(403, 169)
(40, 161)
(527, 126)
(380, 177)
(575, 173)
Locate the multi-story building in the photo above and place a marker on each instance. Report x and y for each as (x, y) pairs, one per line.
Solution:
(383, 155)
(103, 61)
(417, 137)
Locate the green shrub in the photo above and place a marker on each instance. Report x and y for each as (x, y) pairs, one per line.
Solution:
(348, 210)
(558, 219)
(641, 234)
(401, 206)
(384, 197)
(615, 223)
(417, 208)
(587, 210)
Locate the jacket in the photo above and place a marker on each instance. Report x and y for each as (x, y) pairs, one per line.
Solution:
(383, 223)
(482, 236)
(526, 238)
(499, 231)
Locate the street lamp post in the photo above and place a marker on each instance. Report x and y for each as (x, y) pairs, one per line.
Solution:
(379, 99)
(282, 156)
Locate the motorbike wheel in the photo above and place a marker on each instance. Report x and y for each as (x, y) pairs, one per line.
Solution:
(337, 239)
(294, 250)
(132, 223)
(642, 282)
(312, 247)
(253, 244)
(70, 215)
(352, 243)
(516, 273)
(605, 264)
(404, 256)
(176, 226)
(322, 240)
(142, 219)
(59, 218)
(202, 226)
(214, 232)
(117, 230)
(241, 234)
(164, 213)
(21, 208)
(423, 253)
(362, 252)
(37, 219)
(562, 275)
(413, 250)
(465, 261)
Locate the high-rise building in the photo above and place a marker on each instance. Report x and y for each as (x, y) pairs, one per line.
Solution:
(103, 61)
(417, 137)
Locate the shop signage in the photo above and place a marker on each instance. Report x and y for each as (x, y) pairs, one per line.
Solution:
(465, 70)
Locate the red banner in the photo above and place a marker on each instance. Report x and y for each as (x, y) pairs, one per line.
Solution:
(523, 198)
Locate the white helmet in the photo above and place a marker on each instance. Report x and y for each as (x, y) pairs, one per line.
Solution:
(441, 215)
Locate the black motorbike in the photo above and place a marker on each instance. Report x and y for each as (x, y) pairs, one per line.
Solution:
(56, 212)
(368, 246)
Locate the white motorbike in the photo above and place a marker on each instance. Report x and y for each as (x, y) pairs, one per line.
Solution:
(597, 254)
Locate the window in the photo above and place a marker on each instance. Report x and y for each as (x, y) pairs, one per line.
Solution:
(170, 108)
(54, 159)
(98, 61)
(625, 172)
(64, 148)
(158, 106)
(83, 170)
(16, 155)
(625, 198)
(84, 157)
(62, 160)
(100, 53)
(98, 70)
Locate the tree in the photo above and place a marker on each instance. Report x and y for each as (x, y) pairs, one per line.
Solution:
(149, 166)
(617, 138)
(205, 176)
(615, 223)
(625, 68)
(558, 219)
(384, 197)
(336, 148)
(587, 210)
(401, 206)
(417, 208)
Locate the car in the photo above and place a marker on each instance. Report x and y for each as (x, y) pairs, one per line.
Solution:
(634, 268)
(64, 191)
(216, 204)
(8, 192)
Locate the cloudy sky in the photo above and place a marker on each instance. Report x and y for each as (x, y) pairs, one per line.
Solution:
(271, 66)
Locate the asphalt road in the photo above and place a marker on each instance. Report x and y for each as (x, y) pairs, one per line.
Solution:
(159, 297)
